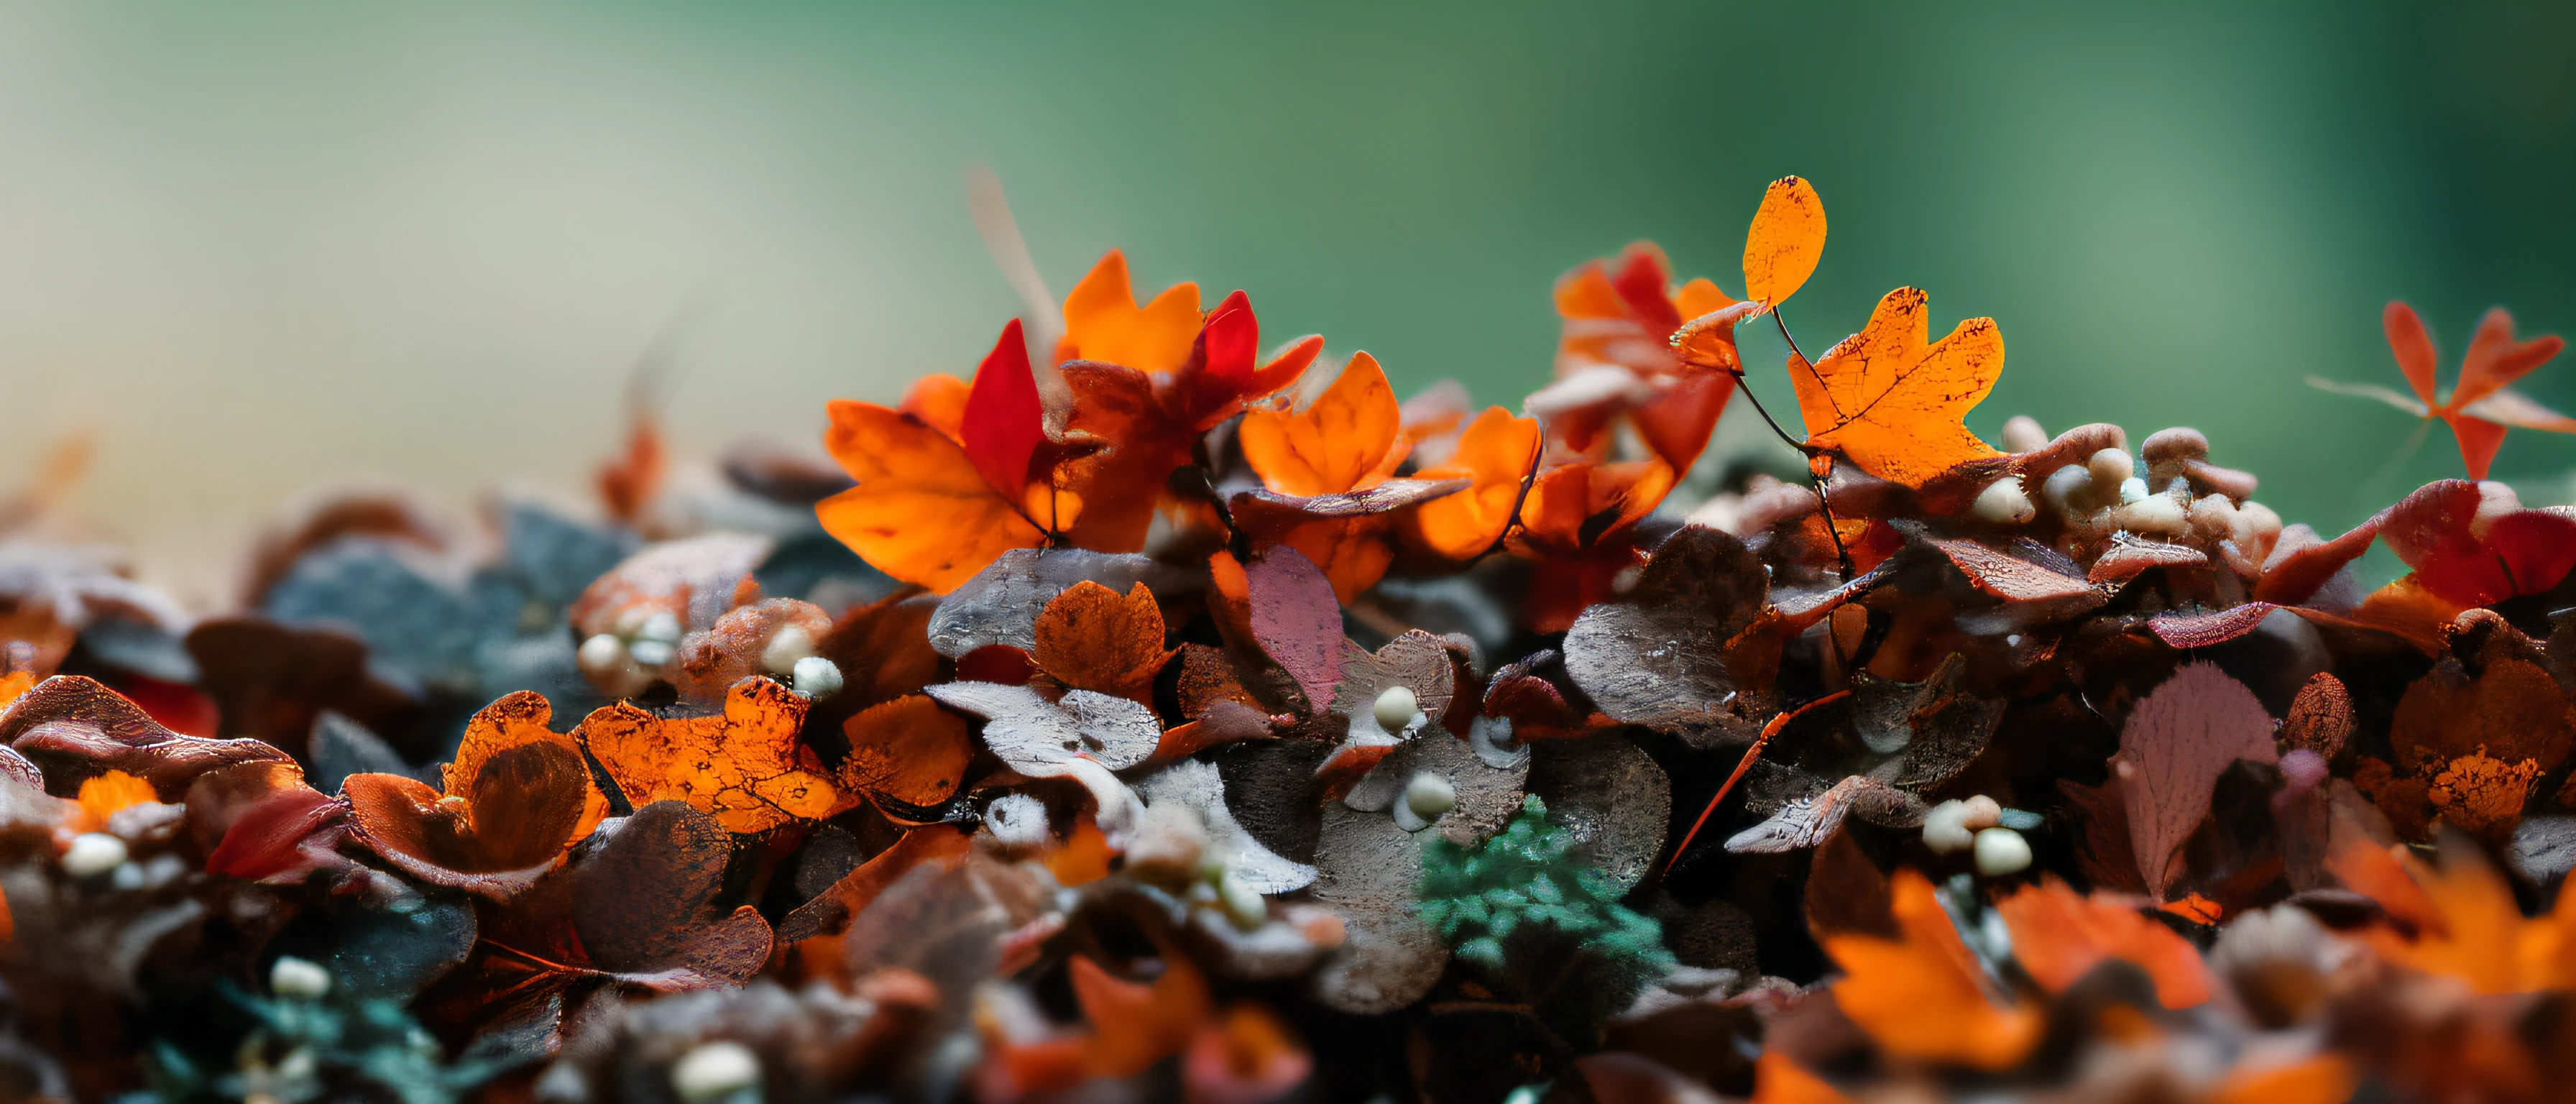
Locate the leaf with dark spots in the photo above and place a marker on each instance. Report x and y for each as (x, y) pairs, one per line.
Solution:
(2490, 696)
(1657, 656)
(743, 765)
(76, 729)
(1297, 622)
(2320, 717)
(2204, 630)
(1001, 603)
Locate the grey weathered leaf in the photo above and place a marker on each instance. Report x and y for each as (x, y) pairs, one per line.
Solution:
(1807, 821)
(1000, 605)
(1199, 786)
(1658, 654)
(1611, 796)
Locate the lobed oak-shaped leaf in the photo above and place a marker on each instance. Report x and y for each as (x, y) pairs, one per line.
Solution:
(1894, 404)
(741, 765)
(1090, 638)
(506, 809)
(1921, 995)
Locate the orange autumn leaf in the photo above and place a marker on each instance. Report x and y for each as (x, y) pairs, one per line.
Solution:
(1615, 362)
(2481, 406)
(741, 765)
(1572, 507)
(1083, 857)
(1787, 238)
(1895, 405)
(2469, 926)
(922, 510)
(1779, 1079)
(1134, 1024)
(13, 684)
(1144, 425)
(2060, 935)
(1494, 455)
(517, 797)
(908, 750)
(939, 400)
(1090, 638)
(1247, 1056)
(1348, 440)
(1921, 996)
(1102, 321)
(101, 798)
(2323, 1079)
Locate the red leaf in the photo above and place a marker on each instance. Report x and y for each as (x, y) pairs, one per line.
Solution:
(1298, 621)
(1005, 423)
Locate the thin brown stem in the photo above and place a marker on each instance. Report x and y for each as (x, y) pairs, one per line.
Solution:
(1842, 555)
(1741, 766)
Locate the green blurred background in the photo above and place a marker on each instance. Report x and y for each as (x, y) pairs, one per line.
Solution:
(257, 246)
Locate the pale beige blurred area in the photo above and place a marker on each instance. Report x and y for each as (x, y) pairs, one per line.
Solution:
(256, 255)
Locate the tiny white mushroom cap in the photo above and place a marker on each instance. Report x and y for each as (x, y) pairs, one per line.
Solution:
(92, 854)
(1945, 830)
(787, 648)
(600, 654)
(1429, 795)
(817, 677)
(1243, 905)
(2110, 466)
(1397, 709)
(2022, 433)
(2004, 502)
(2001, 851)
(714, 1070)
(662, 626)
(651, 652)
(296, 977)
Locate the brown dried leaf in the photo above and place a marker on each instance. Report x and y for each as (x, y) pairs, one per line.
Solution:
(1089, 638)
(908, 750)
(1611, 796)
(1658, 656)
(76, 729)
(2320, 717)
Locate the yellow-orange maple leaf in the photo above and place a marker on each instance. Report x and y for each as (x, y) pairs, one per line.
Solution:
(1894, 404)
(1348, 440)
(2059, 935)
(741, 766)
(1102, 321)
(1494, 455)
(1922, 996)
(1091, 638)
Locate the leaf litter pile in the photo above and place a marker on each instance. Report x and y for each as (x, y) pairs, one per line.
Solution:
(1167, 712)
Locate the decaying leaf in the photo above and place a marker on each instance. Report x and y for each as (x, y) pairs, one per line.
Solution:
(1090, 638)
(76, 729)
(908, 751)
(1807, 821)
(741, 765)
(1612, 796)
(1659, 655)
(514, 799)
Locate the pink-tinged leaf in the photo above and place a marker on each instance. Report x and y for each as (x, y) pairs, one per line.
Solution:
(2537, 548)
(1298, 621)
(2201, 630)
(2127, 559)
(2177, 741)
(2012, 578)
(1005, 419)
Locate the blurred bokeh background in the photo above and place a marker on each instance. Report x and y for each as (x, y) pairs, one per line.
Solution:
(257, 247)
